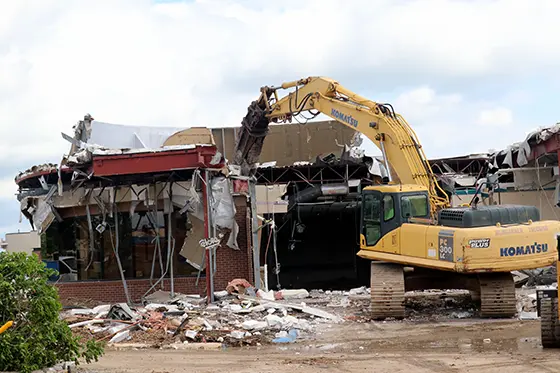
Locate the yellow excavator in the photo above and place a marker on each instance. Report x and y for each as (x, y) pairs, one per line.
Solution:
(413, 237)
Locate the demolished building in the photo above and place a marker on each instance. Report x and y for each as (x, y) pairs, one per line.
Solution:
(131, 210)
(158, 198)
(119, 221)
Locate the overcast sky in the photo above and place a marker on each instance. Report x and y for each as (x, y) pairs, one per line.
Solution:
(467, 75)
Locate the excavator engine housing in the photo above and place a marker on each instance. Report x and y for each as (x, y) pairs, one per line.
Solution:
(483, 216)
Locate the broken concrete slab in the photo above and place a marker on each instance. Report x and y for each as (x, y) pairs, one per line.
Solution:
(274, 321)
(85, 323)
(254, 325)
(120, 336)
(195, 346)
(528, 315)
(306, 309)
(292, 294)
(128, 346)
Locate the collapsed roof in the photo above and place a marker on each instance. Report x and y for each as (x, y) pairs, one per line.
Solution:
(520, 154)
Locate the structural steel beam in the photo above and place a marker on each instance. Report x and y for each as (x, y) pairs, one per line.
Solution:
(139, 163)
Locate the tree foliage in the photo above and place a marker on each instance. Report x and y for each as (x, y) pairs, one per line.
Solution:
(38, 338)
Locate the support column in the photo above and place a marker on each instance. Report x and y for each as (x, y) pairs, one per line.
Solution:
(255, 242)
(206, 194)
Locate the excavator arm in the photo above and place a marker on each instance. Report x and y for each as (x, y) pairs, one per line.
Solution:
(404, 158)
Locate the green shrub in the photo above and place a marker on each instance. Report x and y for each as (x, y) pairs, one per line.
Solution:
(38, 338)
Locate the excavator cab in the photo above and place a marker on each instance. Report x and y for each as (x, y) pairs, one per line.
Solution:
(387, 207)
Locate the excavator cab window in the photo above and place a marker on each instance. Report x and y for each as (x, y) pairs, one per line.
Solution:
(414, 206)
(388, 207)
(371, 217)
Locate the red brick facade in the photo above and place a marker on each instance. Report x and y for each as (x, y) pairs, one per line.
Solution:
(113, 292)
(230, 264)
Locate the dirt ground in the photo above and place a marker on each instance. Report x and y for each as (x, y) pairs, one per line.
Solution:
(473, 345)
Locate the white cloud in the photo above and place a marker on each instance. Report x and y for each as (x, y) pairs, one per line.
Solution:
(449, 125)
(24, 226)
(8, 188)
(423, 102)
(499, 116)
(201, 62)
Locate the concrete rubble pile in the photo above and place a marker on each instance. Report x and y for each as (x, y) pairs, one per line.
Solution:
(237, 318)
(244, 316)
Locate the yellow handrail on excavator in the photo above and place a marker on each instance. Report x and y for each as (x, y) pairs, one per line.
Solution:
(402, 153)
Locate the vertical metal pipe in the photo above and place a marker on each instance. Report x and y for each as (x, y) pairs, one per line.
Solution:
(277, 265)
(382, 143)
(170, 249)
(170, 252)
(90, 236)
(116, 250)
(211, 233)
(254, 229)
(224, 143)
(211, 272)
(206, 192)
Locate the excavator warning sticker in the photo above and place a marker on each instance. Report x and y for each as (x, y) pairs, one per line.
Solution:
(445, 245)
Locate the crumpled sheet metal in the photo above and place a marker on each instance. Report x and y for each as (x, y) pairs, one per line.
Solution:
(522, 149)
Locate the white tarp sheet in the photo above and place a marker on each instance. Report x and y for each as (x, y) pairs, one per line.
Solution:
(223, 209)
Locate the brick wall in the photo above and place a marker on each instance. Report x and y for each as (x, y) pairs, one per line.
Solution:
(230, 264)
(113, 292)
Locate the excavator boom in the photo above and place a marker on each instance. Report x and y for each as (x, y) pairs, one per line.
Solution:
(404, 158)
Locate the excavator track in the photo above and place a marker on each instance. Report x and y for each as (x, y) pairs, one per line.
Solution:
(387, 291)
(497, 295)
(550, 328)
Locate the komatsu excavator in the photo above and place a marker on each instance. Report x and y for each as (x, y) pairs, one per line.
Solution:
(409, 231)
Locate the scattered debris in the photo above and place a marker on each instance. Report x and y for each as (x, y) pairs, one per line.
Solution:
(289, 338)
(539, 276)
(241, 316)
(120, 336)
(121, 311)
(462, 315)
(519, 278)
(358, 291)
(85, 323)
(238, 286)
(528, 315)
(527, 301)
(291, 294)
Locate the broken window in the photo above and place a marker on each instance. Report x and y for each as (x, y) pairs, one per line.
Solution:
(142, 246)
